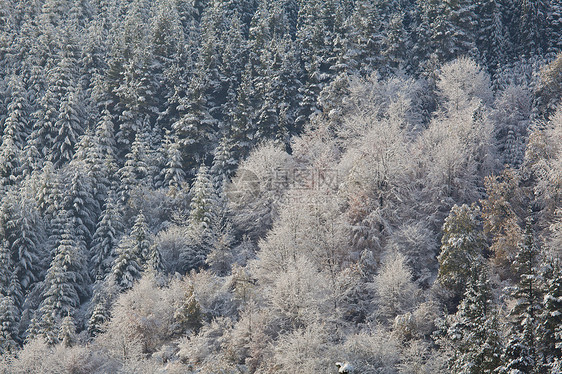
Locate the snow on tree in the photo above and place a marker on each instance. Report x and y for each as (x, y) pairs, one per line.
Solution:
(67, 333)
(172, 175)
(549, 86)
(522, 350)
(474, 332)
(80, 204)
(395, 290)
(106, 238)
(133, 253)
(189, 315)
(100, 316)
(69, 127)
(9, 319)
(462, 245)
(500, 213)
(512, 119)
(463, 81)
(550, 316)
(65, 281)
(23, 228)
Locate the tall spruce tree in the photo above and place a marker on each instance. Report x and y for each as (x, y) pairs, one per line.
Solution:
(461, 248)
(522, 352)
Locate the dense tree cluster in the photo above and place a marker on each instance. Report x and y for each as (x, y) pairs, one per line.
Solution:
(277, 186)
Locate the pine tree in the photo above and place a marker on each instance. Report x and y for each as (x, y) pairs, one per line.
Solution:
(137, 168)
(80, 204)
(23, 230)
(65, 281)
(69, 127)
(133, 254)
(475, 334)
(461, 247)
(99, 317)
(15, 128)
(200, 228)
(551, 315)
(242, 128)
(141, 237)
(172, 175)
(105, 239)
(532, 27)
(224, 163)
(189, 315)
(6, 267)
(491, 35)
(195, 130)
(8, 325)
(67, 332)
(522, 351)
(127, 267)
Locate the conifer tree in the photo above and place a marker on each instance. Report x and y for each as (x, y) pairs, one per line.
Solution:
(461, 248)
(65, 281)
(550, 329)
(136, 171)
(224, 163)
(172, 175)
(67, 332)
(189, 315)
(99, 317)
(8, 325)
(69, 127)
(80, 204)
(127, 267)
(475, 333)
(200, 223)
(133, 254)
(522, 350)
(106, 238)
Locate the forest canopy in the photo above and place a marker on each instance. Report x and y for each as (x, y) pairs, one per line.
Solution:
(281, 186)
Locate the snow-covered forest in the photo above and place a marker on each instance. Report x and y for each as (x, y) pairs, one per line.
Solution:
(281, 186)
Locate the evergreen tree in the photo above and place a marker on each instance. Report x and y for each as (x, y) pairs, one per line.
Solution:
(16, 123)
(550, 328)
(200, 223)
(6, 267)
(106, 239)
(80, 204)
(8, 325)
(69, 127)
(491, 35)
(532, 27)
(189, 315)
(65, 282)
(137, 168)
(133, 254)
(23, 231)
(461, 248)
(475, 334)
(172, 175)
(224, 163)
(242, 128)
(67, 332)
(522, 350)
(127, 267)
(99, 317)
(202, 200)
